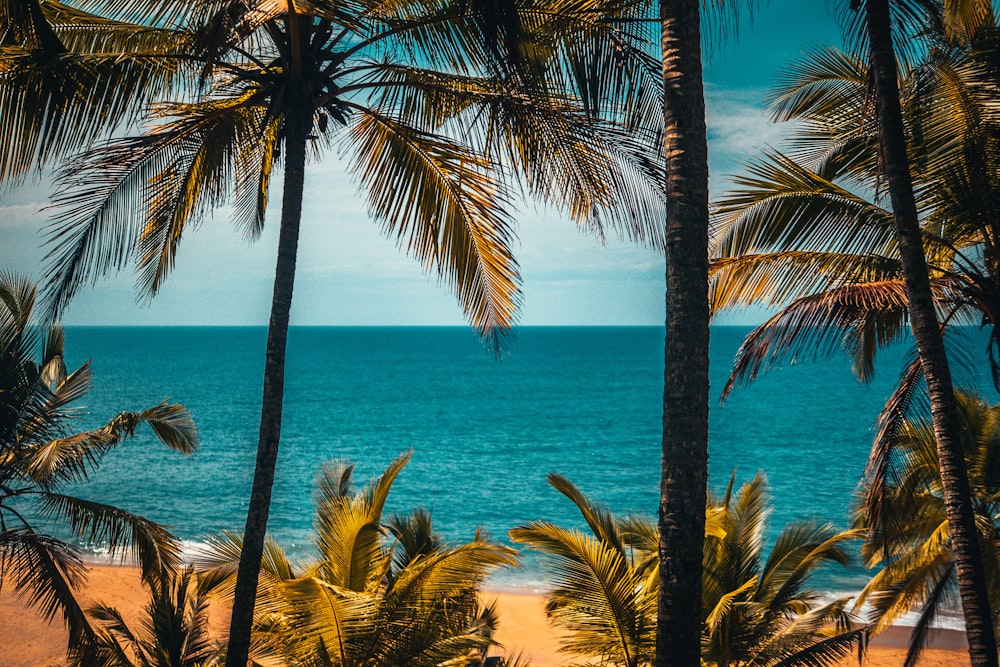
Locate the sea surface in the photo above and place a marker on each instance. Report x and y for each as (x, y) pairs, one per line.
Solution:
(583, 402)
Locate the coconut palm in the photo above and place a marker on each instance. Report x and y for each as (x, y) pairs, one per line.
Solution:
(798, 234)
(684, 463)
(383, 592)
(41, 453)
(755, 610)
(173, 631)
(439, 106)
(927, 333)
(917, 568)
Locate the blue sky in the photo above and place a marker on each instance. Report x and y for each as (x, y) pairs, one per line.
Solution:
(348, 274)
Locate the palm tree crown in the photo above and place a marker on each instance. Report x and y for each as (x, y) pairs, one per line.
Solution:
(440, 107)
(756, 609)
(384, 591)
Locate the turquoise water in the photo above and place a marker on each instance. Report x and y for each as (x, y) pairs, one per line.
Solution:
(583, 402)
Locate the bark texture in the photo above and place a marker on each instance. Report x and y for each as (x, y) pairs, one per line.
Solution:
(684, 467)
(273, 399)
(966, 551)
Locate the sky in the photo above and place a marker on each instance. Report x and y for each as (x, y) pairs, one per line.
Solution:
(349, 274)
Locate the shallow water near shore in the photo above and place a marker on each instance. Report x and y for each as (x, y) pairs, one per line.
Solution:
(584, 402)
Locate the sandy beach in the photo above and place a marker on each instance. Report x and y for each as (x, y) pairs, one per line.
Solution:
(27, 641)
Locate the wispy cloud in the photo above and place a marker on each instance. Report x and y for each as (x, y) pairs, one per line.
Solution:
(738, 128)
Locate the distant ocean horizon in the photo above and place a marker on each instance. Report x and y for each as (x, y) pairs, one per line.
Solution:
(584, 402)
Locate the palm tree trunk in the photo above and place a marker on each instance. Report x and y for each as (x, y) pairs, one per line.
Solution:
(684, 467)
(274, 389)
(955, 482)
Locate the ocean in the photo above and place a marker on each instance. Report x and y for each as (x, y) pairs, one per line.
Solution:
(584, 402)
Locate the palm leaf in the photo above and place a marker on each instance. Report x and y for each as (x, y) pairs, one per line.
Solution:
(595, 596)
(46, 572)
(440, 203)
(68, 459)
(150, 544)
(858, 319)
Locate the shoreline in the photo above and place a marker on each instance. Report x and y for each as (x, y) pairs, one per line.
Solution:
(27, 641)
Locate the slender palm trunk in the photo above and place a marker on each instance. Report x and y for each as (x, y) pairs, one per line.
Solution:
(684, 467)
(274, 390)
(954, 480)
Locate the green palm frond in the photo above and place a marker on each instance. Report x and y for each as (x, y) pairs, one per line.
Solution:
(595, 596)
(43, 409)
(40, 453)
(173, 630)
(69, 459)
(449, 572)
(780, 205)
(601, 521)
(919, 636)
(350, 541)
(823, 86)
(415, 537)
(911, 541)
(150, 544)
(142, 192)
(217, 146)
(376, 492)
(217, 564)
(798, 551)
(116, 645)
(54, 102)
(891, 422)
(824, 198)
(334, 482)
(322, 612)
(808, 641)
(349, 528)
(777, 278)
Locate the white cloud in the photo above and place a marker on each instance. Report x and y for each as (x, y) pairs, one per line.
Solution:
(738, 128)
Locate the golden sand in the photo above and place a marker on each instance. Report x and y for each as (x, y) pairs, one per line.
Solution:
(27, 641)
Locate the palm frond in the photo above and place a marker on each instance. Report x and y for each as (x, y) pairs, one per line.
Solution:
(68, 459)
(776, 278)
(441, 204)
(47, 572)
(218, 562)
(858, 319)
(890, 423)
(919, 634)
(594, 595)
(150, 544)
(57, 103)
(132, 198)
(781, 205)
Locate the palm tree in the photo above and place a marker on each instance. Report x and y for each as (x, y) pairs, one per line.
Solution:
(857, 279)
(441, 107)
(918, 571)
(173, 631)
(755, 610)
(684, 465)
(40, 453)
(930, 344)
(411, 599)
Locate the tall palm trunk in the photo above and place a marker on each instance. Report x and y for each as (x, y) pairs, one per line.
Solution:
(954, 480)
(684, 467)
(274, 391)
